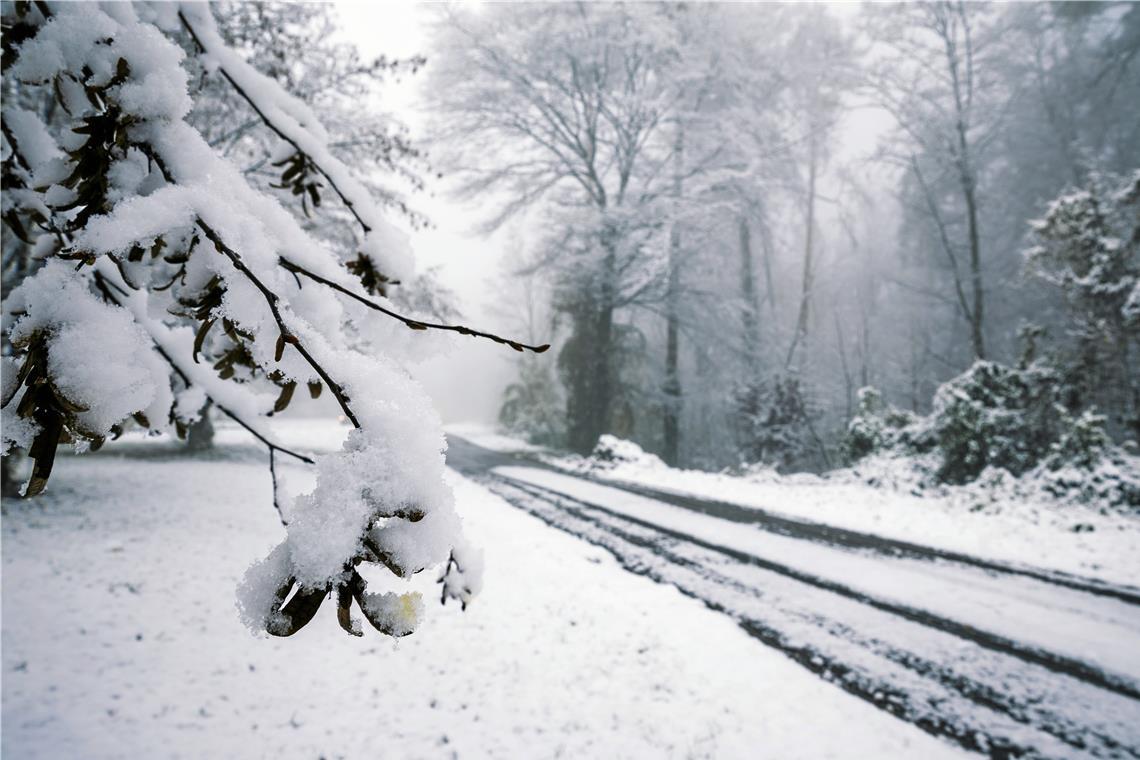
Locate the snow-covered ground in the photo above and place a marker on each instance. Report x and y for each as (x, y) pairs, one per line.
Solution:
(1081, 626)
(120, 639)
(1083, 540)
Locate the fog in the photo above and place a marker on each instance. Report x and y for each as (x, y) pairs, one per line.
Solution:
(896, 258)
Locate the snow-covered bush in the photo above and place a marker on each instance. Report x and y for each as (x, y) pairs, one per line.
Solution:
(162, 279)
(1111, 479)
(611, 451)
(1087, 245)
(993, 415)
(991, 423)
(1083, 465)
(1082, 443)
(533, 407)
(989, 416)
(877, 426)
(774, 423)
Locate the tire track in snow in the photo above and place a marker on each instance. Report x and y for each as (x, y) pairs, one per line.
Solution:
(844, 537)
(1056, 662)
(984, 717)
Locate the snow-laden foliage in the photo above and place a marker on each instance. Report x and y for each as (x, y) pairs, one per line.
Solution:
(533, 408)
(1087, 245)
(876, 426)
(994, 420)
(994, 416)
(774, 422)
(163, 274)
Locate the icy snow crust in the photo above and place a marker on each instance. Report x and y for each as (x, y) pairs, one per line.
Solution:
(395, 460)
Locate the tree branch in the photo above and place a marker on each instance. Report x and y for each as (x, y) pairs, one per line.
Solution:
(414, 324)
(276, 129)
(271, 299)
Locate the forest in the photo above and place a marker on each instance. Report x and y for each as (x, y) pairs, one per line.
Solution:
(764, 231)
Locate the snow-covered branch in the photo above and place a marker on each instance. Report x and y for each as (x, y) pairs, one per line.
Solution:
(167, 239)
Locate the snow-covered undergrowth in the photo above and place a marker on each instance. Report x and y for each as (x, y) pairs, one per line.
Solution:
(997, 517)
(119, 641)
(1006, 430)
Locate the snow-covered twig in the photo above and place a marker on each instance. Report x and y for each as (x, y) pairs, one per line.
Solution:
(162, 338)
(287, 335)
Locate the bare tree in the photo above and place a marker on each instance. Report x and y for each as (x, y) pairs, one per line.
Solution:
(935, 80)
(562, 106)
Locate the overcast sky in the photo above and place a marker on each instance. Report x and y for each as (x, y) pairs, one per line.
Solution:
(467, 384)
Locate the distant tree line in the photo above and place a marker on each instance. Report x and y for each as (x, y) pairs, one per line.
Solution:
(725, 273)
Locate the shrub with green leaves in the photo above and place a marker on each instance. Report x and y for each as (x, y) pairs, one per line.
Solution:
(877, 426)
(995, 416)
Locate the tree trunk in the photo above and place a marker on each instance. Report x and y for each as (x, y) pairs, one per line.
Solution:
(805, 295)
(591, 374)
(962, 113)
(977, 312)
(200, 435)
(749, 312)
(672, 385)
(766, 247)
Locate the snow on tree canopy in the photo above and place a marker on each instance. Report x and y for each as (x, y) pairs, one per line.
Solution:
(97, 357)
(168, 276)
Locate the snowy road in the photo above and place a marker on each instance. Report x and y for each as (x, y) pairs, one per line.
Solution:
(1010, 661)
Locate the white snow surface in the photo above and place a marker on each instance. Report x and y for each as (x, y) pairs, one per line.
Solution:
(975, 520)
(1102, 631)
(120, 640)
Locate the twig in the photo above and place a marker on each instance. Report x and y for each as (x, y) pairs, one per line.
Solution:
(271, 298)
(296, 269)
(104, 285)
(269, 123)
(414, 324)
(273, 477)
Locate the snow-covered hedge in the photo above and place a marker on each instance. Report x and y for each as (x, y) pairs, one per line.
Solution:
(611, 451)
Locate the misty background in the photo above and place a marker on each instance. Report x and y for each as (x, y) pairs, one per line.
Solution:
(825, 140)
